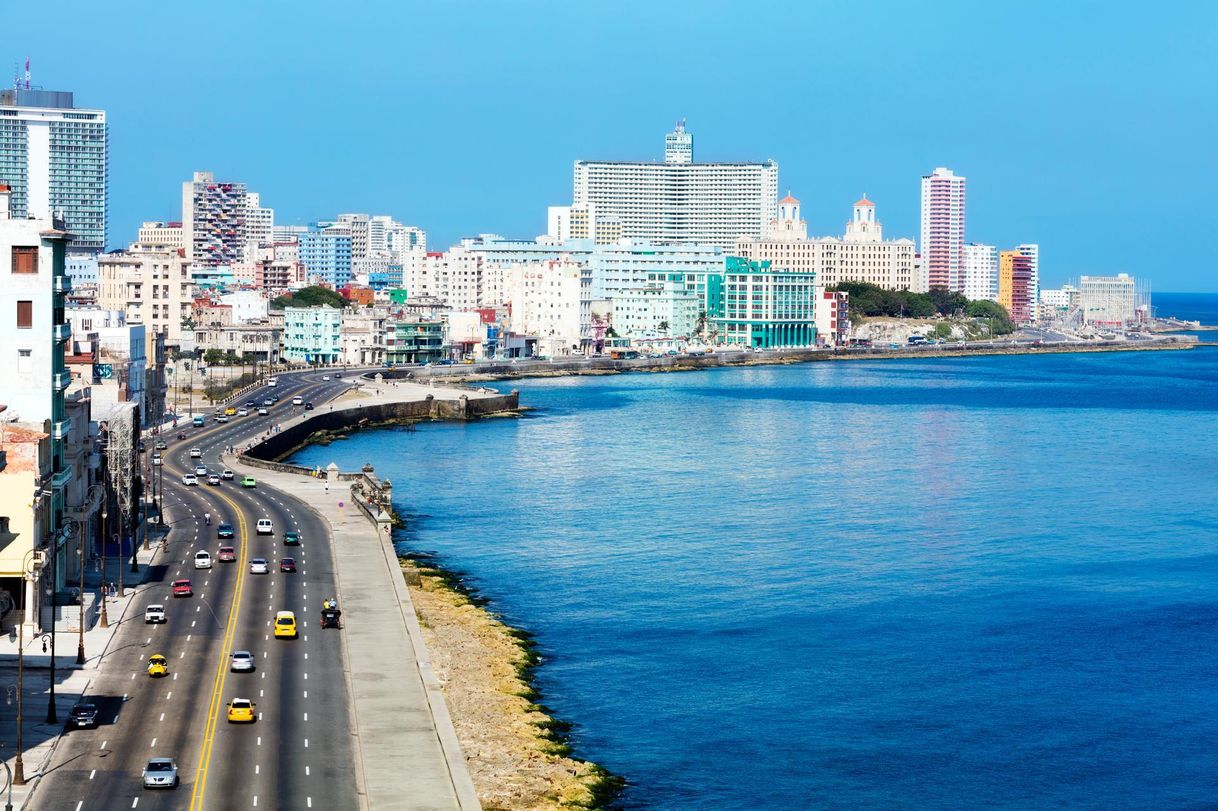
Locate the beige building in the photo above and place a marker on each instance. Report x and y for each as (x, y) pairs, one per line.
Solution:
(161, 234)
(254, 341)
(862, 255)
(150, 287)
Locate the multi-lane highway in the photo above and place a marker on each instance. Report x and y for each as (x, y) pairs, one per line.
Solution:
(300, 752)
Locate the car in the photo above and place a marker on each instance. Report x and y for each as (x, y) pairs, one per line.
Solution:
(156, 459)
(248, 481)
(227, 554)
(82, 716)
(241, 711)
(161, 772)
(308, 406)
(291, 538)
(181, 434)
(262, 411)
(259, 566)
(272, 382)
(225, 531)
(285, 625)
(274, 399)
(251, 404)
(242, 661)
(154, 614)
(158, 665)
(196, 453)
(287, 564)
(213, 478)
(200, 470)
(227, 475)
(230, 411)
(221, 418)
(268, 402)
(202, 560)
(161, 445)
(297, 401)
(183, 588)
(243, 412)
(264, 527)
(449, 362)
(326, 378)
(198, 421)
(189, 479)
(338, 375)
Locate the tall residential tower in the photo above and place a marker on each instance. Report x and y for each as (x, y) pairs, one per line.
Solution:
(943, 228)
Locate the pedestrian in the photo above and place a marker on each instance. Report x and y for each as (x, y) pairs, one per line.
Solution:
(327, 484)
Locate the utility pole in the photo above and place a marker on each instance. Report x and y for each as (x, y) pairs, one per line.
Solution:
(80, 645)
(52, 717)
(105, 538)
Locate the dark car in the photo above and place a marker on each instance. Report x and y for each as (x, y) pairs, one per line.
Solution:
(181, 434)
(338, 375)
(308, 406)
(251, 404)
(83, 716)
(291, 538)
(224, 531)
(287, 564)
(445, 362)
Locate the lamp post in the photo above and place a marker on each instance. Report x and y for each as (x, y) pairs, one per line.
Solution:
(52, 716)
(80, 647)
(8, 806)
(26, 569)
(105, 619)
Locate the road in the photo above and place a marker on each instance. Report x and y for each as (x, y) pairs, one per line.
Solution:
(300, 752)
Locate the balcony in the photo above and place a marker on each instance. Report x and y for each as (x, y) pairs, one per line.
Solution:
(61, 380)
(61, 332)
(63, 284)
(61, 429)
(61, 479)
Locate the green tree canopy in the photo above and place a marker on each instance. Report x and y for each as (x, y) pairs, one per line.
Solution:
(313, 296)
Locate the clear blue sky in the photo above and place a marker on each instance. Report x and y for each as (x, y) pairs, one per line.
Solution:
(1088, 127)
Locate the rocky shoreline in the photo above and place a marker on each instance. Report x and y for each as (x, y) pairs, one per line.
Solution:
(516, 751)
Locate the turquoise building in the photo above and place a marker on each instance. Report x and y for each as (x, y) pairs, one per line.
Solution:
(754, 304)
(311, 334)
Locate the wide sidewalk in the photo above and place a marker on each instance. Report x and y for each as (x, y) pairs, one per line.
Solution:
(71, 680)
(409, 753)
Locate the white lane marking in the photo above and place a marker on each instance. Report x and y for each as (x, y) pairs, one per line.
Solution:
(306, 693)
(188, 636)
(306, 771)
(92, 774)
(306, 743)
(198, 608)
(79, 804)
(124, 696)
(149, 642)
(309, 802)
(162, 718)
(306, 716)
(133, 677)
(264, 674)
(306, 676)
(192, 623)
(103, 746)
(257, 768)
(153, 744)
(255, 800)
(168, 696)
(260, 740)
(306, 655)
(261, 694)
(259, 716)
(175, 676)
(182, 654)
(135, 801)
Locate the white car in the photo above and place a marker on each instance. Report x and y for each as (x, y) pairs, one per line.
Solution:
(189, 479)
(265, 527)
(262, 411)
(213, 479)
(242, 661)
(200, 470)
(326, 378)
(154, 614)
(195, 453)
(243, 412)
(161, 772)
(227, 475)
(202, 560)
(272, 381)
(156, 459)
(259, 566)
(221, 418)
(297, 401)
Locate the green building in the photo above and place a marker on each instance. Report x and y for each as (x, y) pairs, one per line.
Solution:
(754, 304)
(416, 342)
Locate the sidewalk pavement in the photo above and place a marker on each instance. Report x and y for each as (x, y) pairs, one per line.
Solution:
(71, 680)
(408, 750)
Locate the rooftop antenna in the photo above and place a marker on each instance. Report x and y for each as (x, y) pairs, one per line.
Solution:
(27, 73)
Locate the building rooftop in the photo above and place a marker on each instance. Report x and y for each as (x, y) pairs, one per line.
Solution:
(863, 201)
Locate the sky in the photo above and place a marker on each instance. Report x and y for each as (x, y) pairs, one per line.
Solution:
(1087, 127)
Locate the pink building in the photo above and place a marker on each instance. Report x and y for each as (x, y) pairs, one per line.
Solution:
(943, 228)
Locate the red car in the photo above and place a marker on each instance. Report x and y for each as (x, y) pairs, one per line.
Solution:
(227, 554)
(181, 434)
(182, 588)
(287, 565)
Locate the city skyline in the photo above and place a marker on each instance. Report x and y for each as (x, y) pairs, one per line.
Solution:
(1050, 157)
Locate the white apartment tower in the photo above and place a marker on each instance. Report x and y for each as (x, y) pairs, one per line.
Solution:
(55, 157)
(680, 201)
(259, 225)
(943, 228)
(980, 272)
(213, 220)
(1032, 251)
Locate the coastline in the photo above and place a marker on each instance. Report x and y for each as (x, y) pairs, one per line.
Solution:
(517, 753)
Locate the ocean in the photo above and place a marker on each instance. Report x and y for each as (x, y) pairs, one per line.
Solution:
(1201, 307)
(941, 583)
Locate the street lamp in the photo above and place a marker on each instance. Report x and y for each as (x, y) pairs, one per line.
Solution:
(26, 569)
(8, 806)
(105, 619)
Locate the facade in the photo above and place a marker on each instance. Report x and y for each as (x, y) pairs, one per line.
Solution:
(247, 305)
(213, 220)
(756, 304)
(1015, 285)
(832, 317)
(1032, 251)
(312, 334)
(167, 235)
(582, 221)
(415, 339)
(1108, 300)
(862, 255)
(545, 301)
(980, 272)
(326, 256)
(120, 370)
(149, 286)
(259, 224)
(55, 156)
(680, 201)
(33, 335)
(943, 195)
(364, 335)
(249, 341)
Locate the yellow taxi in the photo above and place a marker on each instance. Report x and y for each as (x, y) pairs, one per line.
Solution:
(230, 411)
(241, 711)
(285, 625)
(158, 665)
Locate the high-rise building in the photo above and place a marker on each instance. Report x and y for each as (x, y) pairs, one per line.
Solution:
(862, 255)
(1032, 251)
(680, 201)
(259, 224)
(942, 245)
(759, 305)
(1014, 285)
(54, 156)
(150, 285)
(1108, 300)
(326, 256)
(582, 221)
(213, 220)
(980, 272)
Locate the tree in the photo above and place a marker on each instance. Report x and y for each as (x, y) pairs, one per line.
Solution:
(314, 296)
(947, 302)
(664, 327)
(995, 315)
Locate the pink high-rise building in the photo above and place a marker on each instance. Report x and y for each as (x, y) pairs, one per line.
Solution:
(943, 228)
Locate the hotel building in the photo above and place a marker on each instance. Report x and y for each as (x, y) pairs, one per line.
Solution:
(942, 245)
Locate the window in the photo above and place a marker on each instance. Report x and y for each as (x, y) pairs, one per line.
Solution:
(25, 260)
(25, 361)
(25, 314)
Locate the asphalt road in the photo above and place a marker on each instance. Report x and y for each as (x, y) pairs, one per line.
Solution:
(299, 754)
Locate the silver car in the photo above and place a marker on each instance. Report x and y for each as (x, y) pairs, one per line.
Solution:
(161, 772)
(242, 662)
(259, 566)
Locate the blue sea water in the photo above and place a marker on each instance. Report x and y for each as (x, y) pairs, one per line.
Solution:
(1201, 307)
(945, 583)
